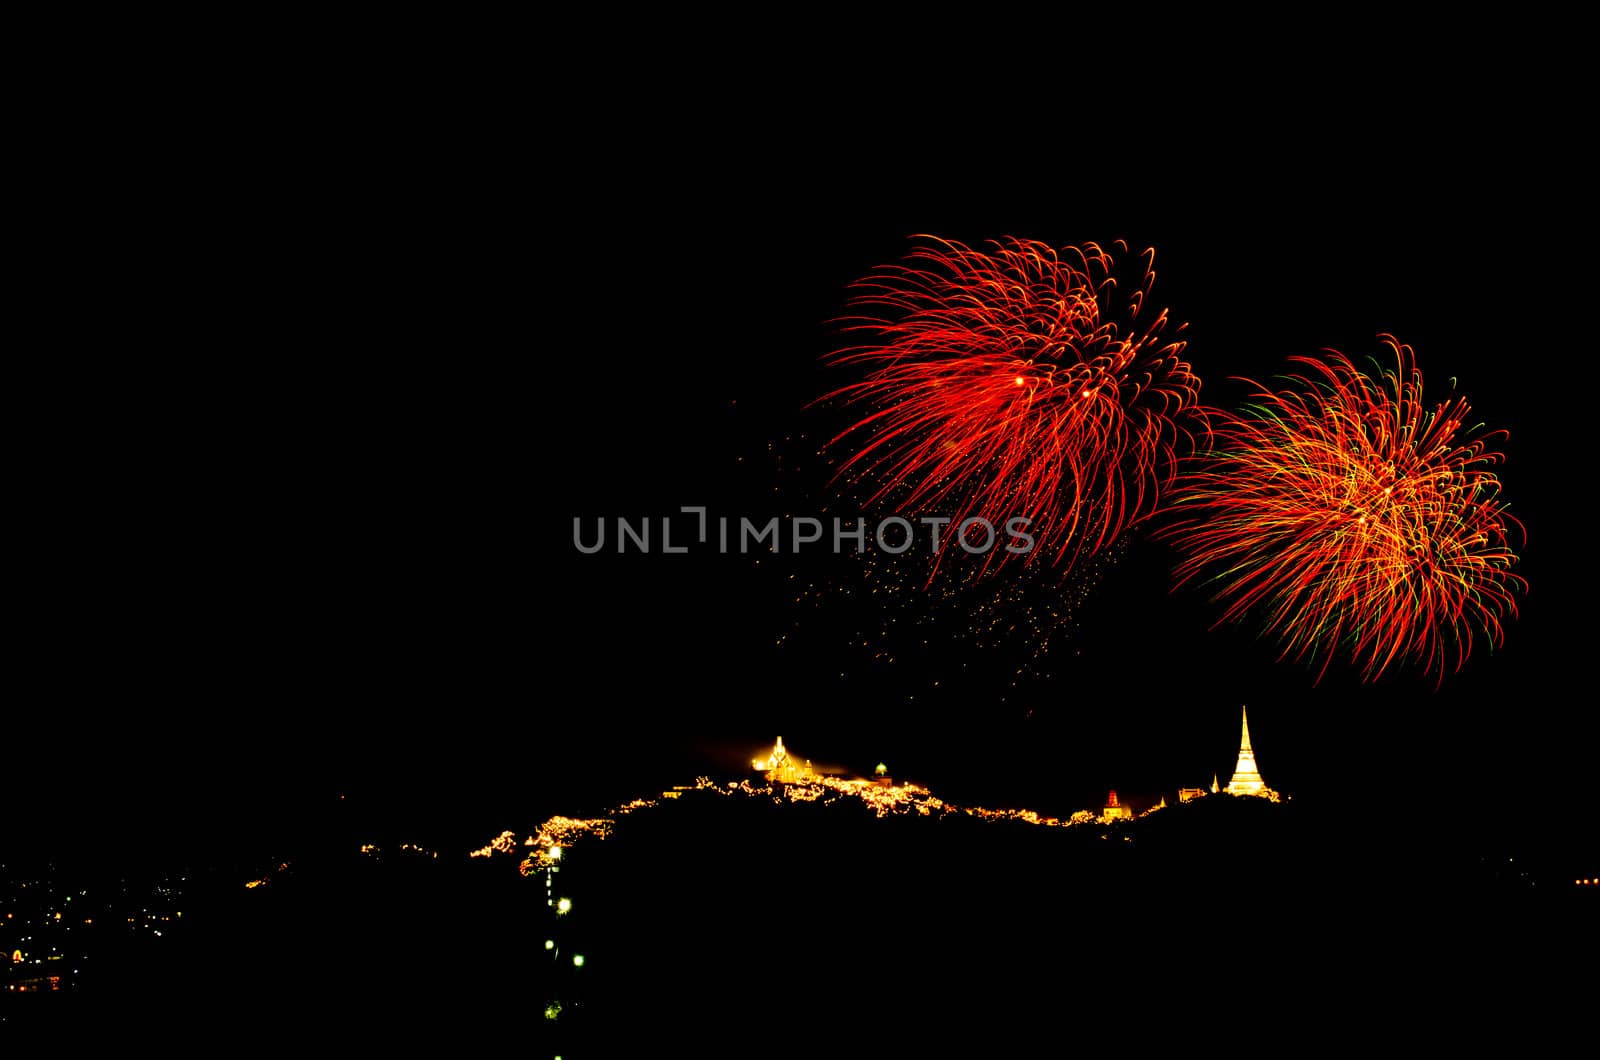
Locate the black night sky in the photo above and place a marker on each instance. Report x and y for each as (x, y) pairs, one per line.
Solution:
(307, 437)
(312, 381)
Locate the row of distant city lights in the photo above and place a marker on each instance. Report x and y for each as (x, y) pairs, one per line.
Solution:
(1587, 883)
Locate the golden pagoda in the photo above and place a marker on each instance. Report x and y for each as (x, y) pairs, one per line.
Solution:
(1246, 777)
(780, 767)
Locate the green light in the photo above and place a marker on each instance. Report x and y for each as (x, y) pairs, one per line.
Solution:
(577, 960)
(549, 944)
(564, 906)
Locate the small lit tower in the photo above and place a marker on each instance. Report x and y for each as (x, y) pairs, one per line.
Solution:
(780, 767)
(1246, 778)
(1114, 810)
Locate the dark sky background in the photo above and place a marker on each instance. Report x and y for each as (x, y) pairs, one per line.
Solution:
(310, 427)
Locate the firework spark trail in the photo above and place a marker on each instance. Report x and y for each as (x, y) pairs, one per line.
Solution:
(1354, 518)
(1016, 381)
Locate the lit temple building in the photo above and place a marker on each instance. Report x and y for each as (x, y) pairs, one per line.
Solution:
(1246, 778)
(780, 767)
(1114, 810)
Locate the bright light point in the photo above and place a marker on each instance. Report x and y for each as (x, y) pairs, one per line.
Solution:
(549, 944)
(555, 853)
(1020, 380)
(577, 960)
(564, 906)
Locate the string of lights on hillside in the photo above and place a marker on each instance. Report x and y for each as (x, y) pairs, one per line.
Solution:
(783, 781)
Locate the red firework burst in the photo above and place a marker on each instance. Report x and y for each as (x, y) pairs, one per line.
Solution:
(1354, 518)
(1017, 381)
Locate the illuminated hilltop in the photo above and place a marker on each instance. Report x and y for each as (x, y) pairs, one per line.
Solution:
(785, 778)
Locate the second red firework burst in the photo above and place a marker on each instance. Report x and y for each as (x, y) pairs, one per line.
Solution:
(1353, 518)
